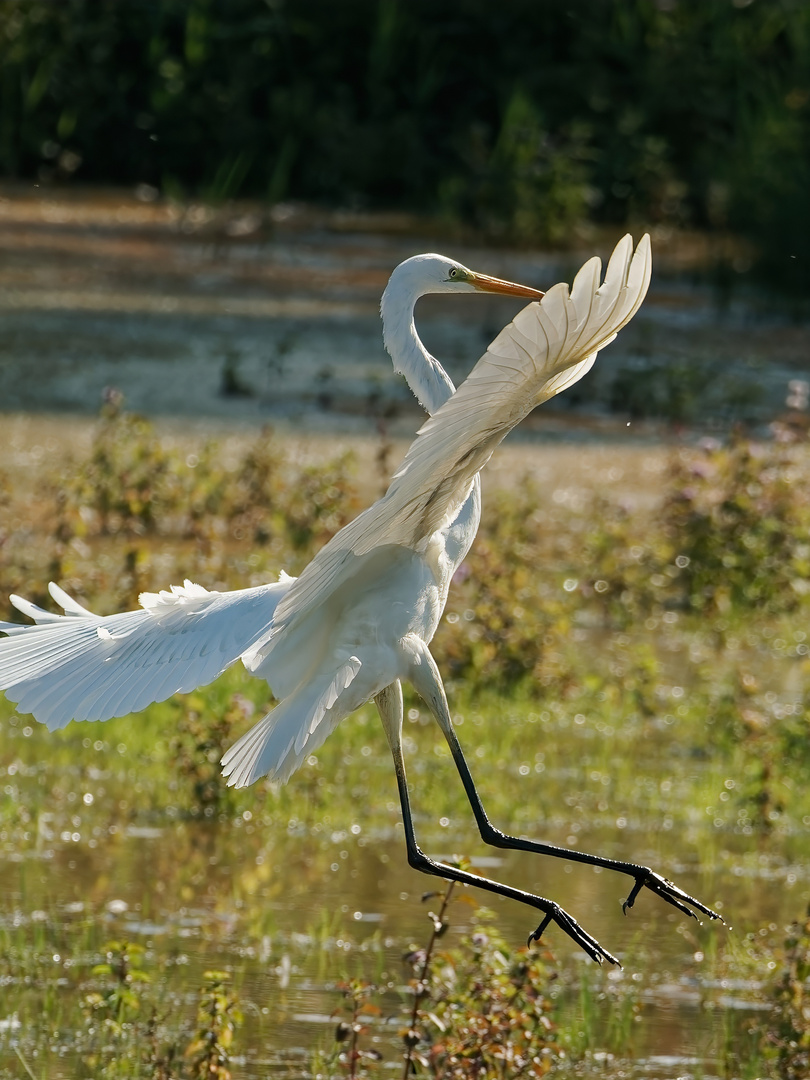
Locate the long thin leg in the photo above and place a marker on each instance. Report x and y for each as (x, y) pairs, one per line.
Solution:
(428, 682)
(389, 704)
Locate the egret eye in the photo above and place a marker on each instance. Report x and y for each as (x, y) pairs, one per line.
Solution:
(452, 272)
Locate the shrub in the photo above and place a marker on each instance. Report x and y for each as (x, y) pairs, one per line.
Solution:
(732, 533)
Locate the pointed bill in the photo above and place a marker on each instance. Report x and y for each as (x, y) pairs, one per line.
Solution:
(485, 283)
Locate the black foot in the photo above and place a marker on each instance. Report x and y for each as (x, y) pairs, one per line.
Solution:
(670, 892)
(571, 927)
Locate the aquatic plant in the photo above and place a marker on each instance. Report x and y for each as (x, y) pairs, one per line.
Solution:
(489, 1013)
(354, 1058)
(124, 978)
(134, 1034)
(218, 1018)
(480, 1009)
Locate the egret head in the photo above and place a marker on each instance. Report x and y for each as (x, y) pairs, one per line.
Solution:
(413, 278)
(438, 274)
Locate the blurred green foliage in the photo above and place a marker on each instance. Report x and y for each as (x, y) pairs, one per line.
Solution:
(218, 1018)
(123, 973)
(730, 536)
(785, 1035)
(133, 485)
(739, 520)
(225, 520)
(521, 119)
(125, 1035)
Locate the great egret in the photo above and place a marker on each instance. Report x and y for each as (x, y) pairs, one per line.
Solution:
(362, 614)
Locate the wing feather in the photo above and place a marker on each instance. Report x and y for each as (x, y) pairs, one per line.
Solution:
(66, 602)
(81, 666)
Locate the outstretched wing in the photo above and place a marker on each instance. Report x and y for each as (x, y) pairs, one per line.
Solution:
(547, 347)
(81, 666)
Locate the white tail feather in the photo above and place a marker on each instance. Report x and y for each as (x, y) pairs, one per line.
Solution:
(276, 746)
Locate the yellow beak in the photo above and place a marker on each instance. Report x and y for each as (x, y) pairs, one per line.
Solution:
(484, 283)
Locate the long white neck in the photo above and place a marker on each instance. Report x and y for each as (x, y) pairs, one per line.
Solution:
(430, 383)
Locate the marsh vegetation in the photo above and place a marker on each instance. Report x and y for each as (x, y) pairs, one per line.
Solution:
(628, 676)
(626, 652)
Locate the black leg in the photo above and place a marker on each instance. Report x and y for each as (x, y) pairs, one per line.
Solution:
(428, 683)
(643, 876)
(389, 703)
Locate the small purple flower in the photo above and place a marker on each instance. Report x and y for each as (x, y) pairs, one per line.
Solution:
(461, 574)
(244, 705)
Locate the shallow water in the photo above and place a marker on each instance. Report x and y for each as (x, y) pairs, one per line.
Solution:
(291, 911)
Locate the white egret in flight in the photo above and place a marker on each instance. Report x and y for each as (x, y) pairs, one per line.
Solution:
(361, 616)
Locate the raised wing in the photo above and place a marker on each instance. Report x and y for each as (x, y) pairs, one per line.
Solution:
(545, 349)
(81, 666)
(548, 347)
